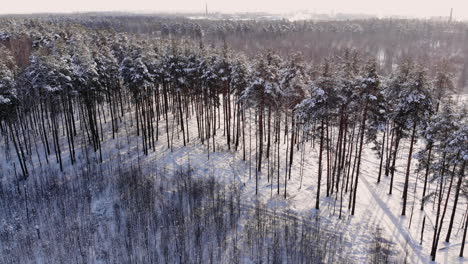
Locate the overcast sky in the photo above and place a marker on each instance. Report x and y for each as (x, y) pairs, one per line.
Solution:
(419, 8)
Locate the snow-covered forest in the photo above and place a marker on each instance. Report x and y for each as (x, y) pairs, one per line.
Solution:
(161, 139)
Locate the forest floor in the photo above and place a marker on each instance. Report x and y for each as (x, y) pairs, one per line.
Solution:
(375, 208)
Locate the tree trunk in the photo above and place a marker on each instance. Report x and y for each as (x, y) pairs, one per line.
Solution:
(260, 138)
(291, 150)
(363, 127)
(434, 240)
(392, 168)
(464, 238)
(382, 156)
(426, 176)
(408, 168)
(457, 194)
(317, 202)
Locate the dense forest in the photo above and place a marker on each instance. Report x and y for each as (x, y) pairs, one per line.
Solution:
(88, 103)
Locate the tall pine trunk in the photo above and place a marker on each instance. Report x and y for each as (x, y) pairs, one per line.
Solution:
(455, 202)
(426, 175)
(363, 127)
(394, 157)
(408, 168)
(317, 202)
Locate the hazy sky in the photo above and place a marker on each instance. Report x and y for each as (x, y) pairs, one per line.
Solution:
(421, 8)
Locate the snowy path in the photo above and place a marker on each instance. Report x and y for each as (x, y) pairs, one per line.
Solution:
(393, 224)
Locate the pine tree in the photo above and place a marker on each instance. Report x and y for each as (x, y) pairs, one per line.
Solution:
(292, 84)
(9, 103)
(370, 96)
(438, 130)
(263, 91)
(316, 109)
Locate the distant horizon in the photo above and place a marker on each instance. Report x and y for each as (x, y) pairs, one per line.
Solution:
(282, 15)
(378, 8)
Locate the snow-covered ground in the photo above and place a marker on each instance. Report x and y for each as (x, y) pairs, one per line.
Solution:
(375, 209)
